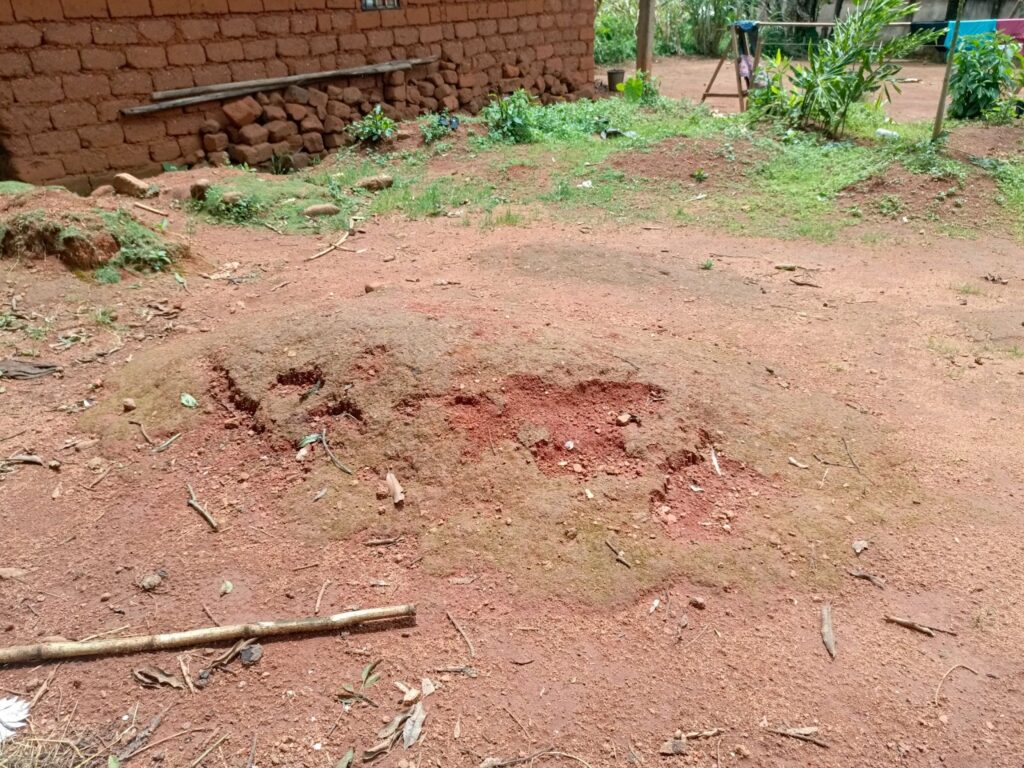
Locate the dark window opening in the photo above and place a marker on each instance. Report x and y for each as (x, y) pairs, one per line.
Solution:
(380, 5)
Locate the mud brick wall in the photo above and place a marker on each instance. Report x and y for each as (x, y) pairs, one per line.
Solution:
(67, 67)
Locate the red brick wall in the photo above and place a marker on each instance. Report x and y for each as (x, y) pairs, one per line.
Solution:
(68, 66)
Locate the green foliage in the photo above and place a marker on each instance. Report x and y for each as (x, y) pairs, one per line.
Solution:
(707, 264)
(641, 89)
(614, 34)
(841, 71)
(105, 317)
(706, 21)
(434, 127)
(14, 187)
(510, 118)
(985, 69)
(140, 248)
(107, 275)
(374, 127)
(681, 26)
(890, 205)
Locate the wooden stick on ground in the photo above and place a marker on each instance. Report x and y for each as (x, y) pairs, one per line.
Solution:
(150, 209)
(828, 637)
(330, 453)
(332, 247)
(850, 457)
(210, 749)
(948, 673)
(200, 637)
(924, 629)
(620, 556)
(194, 503)
(472, 651)
(320, 597)
(803, 734)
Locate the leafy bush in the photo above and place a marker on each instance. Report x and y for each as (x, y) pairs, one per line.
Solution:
(985, 69)
(435, 127)
(642, 89)
(842, 70)
(706, 21)
(374, 127)
(510, 118)
(614, 35)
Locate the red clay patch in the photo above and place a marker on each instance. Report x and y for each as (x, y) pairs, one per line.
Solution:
(570, 430)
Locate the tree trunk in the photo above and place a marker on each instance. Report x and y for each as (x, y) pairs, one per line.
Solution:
(645, 36)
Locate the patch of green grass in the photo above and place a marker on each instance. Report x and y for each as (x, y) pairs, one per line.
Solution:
(890, 205)
(105, 316)
(1010, 178)
(140, 248)
(107, 275)
(503, 218)
(707, 264)
(14, 188)
(966, 289)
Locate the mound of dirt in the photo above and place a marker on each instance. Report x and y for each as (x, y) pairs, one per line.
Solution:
(700, 162)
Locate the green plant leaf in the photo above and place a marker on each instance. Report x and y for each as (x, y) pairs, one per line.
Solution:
(188, 401)
(346, 761)
(368, 677)
(309, 440)
(113, 762)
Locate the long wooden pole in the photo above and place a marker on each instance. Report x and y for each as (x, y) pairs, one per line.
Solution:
(21, 654)
(940, 112)
(645, 36)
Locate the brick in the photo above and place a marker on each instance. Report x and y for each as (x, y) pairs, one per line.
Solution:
(296, 94)
(244, 111)
(14, 65)
(134, 156)
(144, 130)
(380, 38)
(103, 135)
(99, 59)
(184, 125)
(67, 34)
(186, 54)
(317, 98)
(311, 123)
(296, 112)
(394, 93)
(251, 156)
(120, 8)
(227, 50)
(190, 144)
(73, 115)
(131, 83)
(157, 30)
(37, 10)
(85, 86)
(367, 20)
(248, 70)
(211, 74)
(273, 112)
(209, 6)
(198, 29)
(36, 170)
(393, 17)
(19, 36)
(215, 142)
(258, 50)
(245, 6)
(313, 142)
(292, 46)
(37, 90)
(486, 27)
(323, 44)
(339, 109)
(114, 34)
(353, 42)
(55, 142)
(431, 34)
(302, 24)
(172, 79)
(272, 25)
(253, 134)
(165, 151)
(508, 26)
(85, 9)
(147, 57)
(241, 26)
(279, 130)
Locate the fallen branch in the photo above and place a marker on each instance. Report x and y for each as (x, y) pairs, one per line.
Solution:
(320, 597)
(167, 443)
(194, 503)
(332, 247)
(924, 629)
(867, 577)
(145, 435)
(192, 638)
(620, 556)
(948, 673)
(850, 457)
(145, 207)
(472, 651)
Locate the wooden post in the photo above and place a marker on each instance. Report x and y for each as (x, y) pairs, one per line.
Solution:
(940, 113)
(645, 36)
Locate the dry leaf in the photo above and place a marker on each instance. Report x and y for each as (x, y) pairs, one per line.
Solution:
(397, 492)
(414, 725)
(427, 686)
(153, 677)
(389, 730)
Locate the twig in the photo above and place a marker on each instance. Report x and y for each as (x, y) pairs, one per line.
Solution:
(305, 567)
(320, 597)
(382, 542)
(828, 463)
(194, 503)
(145, 435)
(210, 615)
(518, 722)
(252, 754)
(104, 634)
(209, 749)
(520, 760)
(694, 640)
(924, 629)
(472, 651)
(867, 577)
(11, 437)
(332, 247)
(566, 755)
(272, 228)
(828, 637)
(714, 462)
(145, 207)
(279, 286)
(620, 556)
(948, 672)
(43, 688)
(167, 443)
(164, 740)
(185, 673)
(797, 733)
(850, 456)
(806, 283)
(99, 479)
(330, 453)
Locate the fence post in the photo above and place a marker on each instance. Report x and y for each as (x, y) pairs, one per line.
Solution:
(645, 36)
(940, 113)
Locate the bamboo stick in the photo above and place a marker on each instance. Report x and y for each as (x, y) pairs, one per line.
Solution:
(193, 637)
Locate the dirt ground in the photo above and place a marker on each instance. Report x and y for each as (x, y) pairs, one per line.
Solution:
(688, 76)
(632, 483)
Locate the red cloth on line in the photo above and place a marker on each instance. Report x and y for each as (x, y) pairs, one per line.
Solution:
(1012, 27)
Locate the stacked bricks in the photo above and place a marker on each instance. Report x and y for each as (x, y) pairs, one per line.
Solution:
(67, 68)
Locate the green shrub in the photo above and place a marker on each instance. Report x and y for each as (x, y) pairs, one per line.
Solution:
(642, 89)
(842, 70)
(985, 69)
(510, 118)
(614, 35)
(436, 126)
(374, 127)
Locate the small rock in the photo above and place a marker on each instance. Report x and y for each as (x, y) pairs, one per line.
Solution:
(624, 419)
(128, 405)
(150, 582)
(741, 751)
(251, 654)
(95, 463)
(105, 597)
(53, 464)
(104, 190)
(322, 209)
(699, 603)
(126, 184)
(375, 183)
(199, 189)
(859, 546)
(371, 287)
